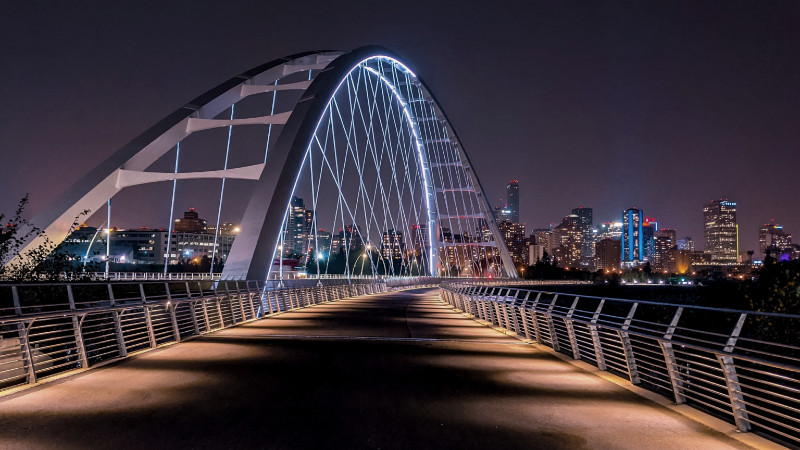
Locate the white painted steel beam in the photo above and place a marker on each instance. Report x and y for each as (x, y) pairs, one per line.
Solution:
(127, 178)
(194, 124)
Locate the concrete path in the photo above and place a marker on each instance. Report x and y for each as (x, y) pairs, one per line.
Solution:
(393, 371)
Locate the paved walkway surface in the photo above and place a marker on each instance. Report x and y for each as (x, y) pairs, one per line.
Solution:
(386, 371)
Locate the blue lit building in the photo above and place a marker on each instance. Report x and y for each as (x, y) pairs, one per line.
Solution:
(632, 237)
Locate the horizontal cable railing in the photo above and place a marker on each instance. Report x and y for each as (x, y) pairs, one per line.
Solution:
(742, 366)
(49, 329)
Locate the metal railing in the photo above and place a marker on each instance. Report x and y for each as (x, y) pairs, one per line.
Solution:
(49, 329)
(743, 366)
(136, 276)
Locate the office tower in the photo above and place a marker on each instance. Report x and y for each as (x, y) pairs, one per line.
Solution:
(686, 243)
(512, 200)
(721, 232)
(323, 242)
(392, 245)
(191, 223)
(664, 246)
(568, 239)
(649, 229)
(502, 214)
(612, 230)
(586, 223)
(514, 235)
(295, 238)
(632, 237)
(607, 254)
(773, 239)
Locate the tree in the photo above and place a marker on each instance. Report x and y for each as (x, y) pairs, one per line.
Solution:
(39, 263)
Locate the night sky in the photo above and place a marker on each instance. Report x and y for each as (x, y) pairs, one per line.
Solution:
(659, 105)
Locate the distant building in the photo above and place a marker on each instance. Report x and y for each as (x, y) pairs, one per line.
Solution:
(514, 236)
(680, 261)
(347, 240)
(608, 254)
(512, 201)
(191, 223)
(502, 214)
(612, 230)
(568, 239)
(146, 246)
(632, 251)
(773, 239)
(321, 243)
(295, 238)
(194, 246)
(535, 253)
(649, 229)
(665, 245)
(686, 243)
(226, 228)
(587, 243)
(392, 245)
(721, 231)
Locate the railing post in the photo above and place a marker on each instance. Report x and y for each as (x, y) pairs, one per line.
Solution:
(598, 348)
(230, 302)
(573, 341)
(123, 349)
(520, 311)
(147, 319)
(535, 322)
(192, 309)
(250, 296)
(23, 331)
(669, 358)
(172, 309)
(738, 405)
(269, 301)
(76, 327)
(551, 325)
(625, 338)
(203, 303)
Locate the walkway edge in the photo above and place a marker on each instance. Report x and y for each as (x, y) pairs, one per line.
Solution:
(696, 415)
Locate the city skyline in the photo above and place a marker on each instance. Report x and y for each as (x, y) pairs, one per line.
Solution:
(673, 114)
(748, 242)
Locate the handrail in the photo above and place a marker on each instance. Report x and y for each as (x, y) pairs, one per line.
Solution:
(78, 334)
(699, 364)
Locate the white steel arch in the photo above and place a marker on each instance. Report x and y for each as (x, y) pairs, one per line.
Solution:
(458, 219)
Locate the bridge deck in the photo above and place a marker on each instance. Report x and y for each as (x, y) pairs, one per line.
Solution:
(397, 370)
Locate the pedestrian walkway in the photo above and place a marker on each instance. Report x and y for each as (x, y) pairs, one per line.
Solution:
(391, 371)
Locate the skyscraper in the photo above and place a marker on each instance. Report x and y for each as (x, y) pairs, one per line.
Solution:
(607, 254)
(568, 238)
(296, 234)
(649, 229)
(773, 239)
(512, 200)
(632, 237)
(587, 243)
(665, 244)
(721, 231)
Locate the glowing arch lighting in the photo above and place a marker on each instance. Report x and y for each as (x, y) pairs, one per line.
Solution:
(363, 135)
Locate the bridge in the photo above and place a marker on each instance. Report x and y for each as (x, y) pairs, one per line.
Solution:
(407, 328)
